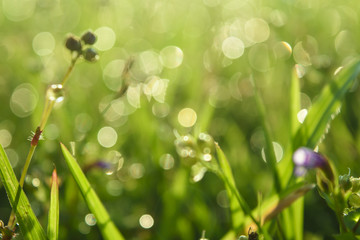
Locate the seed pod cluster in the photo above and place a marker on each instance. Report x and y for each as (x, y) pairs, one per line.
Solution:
(82, 46)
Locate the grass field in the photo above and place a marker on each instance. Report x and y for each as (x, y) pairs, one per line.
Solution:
(188, 120)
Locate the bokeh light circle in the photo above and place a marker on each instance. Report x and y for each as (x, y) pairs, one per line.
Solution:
(233, 47)
(43, 43)
(107, 137)
(187, 117)
(106, 38)
(171, 56)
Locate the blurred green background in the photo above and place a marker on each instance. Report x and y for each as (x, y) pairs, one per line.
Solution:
(193, 62)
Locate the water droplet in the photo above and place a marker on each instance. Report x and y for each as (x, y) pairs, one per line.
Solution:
(207, 157)
(55, 93)
(90, 219)
(146, 221)
(302, 115)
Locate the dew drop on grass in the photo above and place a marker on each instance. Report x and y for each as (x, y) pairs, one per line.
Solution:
(302, 115)
(55, 92)
(90, 219)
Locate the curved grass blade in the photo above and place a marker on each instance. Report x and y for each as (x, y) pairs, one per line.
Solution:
(29, 224)
(53, 222)
(238, 205)
(326, 107)
(105, 224)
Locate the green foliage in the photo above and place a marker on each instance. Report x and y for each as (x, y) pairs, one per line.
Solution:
(53, 222)
(105, 224)
(29, 224)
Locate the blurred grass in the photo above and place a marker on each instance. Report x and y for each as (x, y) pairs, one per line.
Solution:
(329, 32)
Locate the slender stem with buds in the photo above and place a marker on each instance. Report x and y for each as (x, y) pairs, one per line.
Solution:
(49, 104)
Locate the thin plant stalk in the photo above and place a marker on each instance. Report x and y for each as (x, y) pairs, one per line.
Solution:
(49, 104)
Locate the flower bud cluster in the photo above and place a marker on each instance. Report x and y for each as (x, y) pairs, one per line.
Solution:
(81, 46)
(351, 184)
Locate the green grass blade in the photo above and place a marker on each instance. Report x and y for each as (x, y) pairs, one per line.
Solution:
(296, 211)
(294, 103)
(29, 225)
(269, 149)
(53, 222)
(105, 224)
(238, 205)
(326, 107)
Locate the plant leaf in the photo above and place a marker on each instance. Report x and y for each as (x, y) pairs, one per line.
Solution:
(29, 224)
(326, 107)
(53, 222)
(105, 224)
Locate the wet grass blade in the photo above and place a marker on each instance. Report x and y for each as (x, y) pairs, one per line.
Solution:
(105, 224)
(53, 222)
(29, 224)
(326, 107)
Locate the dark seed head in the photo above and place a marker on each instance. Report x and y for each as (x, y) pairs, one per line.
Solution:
(90, 55)
(88, 38)
(73, 44)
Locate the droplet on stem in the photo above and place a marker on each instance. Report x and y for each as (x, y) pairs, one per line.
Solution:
(55, 93)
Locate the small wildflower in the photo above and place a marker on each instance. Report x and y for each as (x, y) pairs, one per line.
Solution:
(305, 159)
(308, 159)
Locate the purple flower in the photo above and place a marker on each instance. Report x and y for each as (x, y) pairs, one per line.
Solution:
(305, 159)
